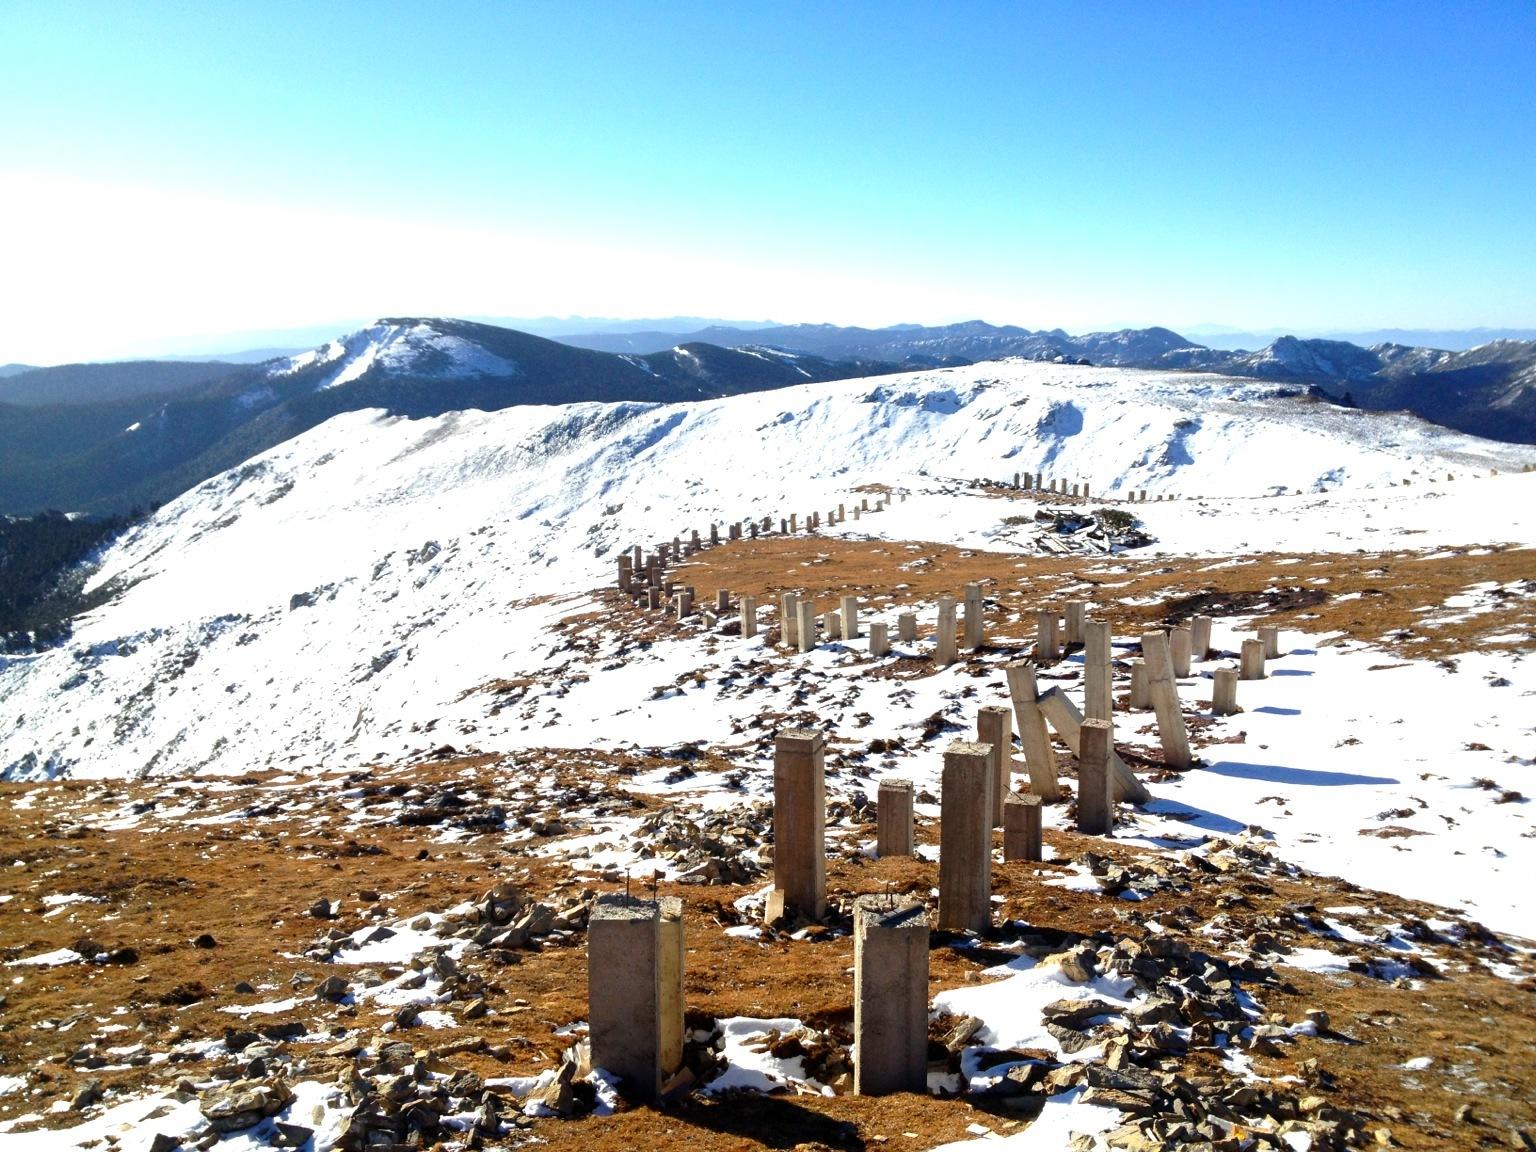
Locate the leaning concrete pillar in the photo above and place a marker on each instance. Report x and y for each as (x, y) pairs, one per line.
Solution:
(1141, 693)
(890, 997)
(850, 615)
(1063, 715)
(1021, 828)
(749, 616)
(805, 630)
(994, 727)
(1095, 808)
(1270, 635)
(1200, 637)
(1224, 692)
(1253, 659)
(1077, 614)
(1047, 646)
(1098, 672)
(893, 814)
(1165, 700)
(965, 839)
(944, 652)
(906, 627)
(879, 641)
(1180, 648)
(799, 826)
(1039, 757)
(789, 620)
(973, 621)
(635, 990)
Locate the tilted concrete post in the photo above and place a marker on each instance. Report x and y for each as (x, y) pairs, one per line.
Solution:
(973, 621)
(789, 620)
(749, 616)
(1095, 808)
(890, 997)
(1141, 691)
(945, 653)
(879, 641)
(799, 826)
(906, 627)
(1063, 715)
(1021, 828)
(1224, 692)
(805, 629)
(1180, 648)
(994, 727)
(1165, 700)
(1270, 635)
(850, 614)
(965, 839)
(1098, 672)
(1077, 614)
(1200, 637)
(1253, 659)
(1039, 756)
(893, 816)
(1047, 646)
(635, 990)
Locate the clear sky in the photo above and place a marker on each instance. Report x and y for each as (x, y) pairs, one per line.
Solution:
(175, 175)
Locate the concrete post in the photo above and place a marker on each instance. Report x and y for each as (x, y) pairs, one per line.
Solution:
(850, 613)
(890, 997)
(864, 503)
(714, 534)
(783, 527)
(893, 813)
(1200, 637)
(1039, 757)
(1021, 828)
(1074, 489)
(1180, 648)
(1068, 722)
(722, 600)
(653, 598)
(794, 522)
(1047, 647)
(789, 620)
(857, 512)
(842, 513)
(637, 557)
(831, 626)
(694, 539)
(974, 617)
(1224, 692)
(1029, 480)
(1095, 808)
(879, 641)
(1077, 614)
(1253, 660)
(799, 826)
(1085, 490)
(734, 532)
(635, 990)
(805, 631)
(626, 571)
(1141, 693)
(1270, 635)
(906, 627)
(1098, 672)
(749, 616)
(1015, 479)
(1165, 700)
(965, 839)
(684, 602)
(994, 727)
(944, 653)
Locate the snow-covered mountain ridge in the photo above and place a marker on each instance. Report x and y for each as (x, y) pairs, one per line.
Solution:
(317, 601)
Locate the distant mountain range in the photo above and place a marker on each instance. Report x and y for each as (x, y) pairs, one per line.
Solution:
(110, 437)
(1450, 339)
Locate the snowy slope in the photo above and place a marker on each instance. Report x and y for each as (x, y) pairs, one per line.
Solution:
(413, 348)
(370, 568)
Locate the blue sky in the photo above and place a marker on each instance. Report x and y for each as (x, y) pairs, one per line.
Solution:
(183, 173)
